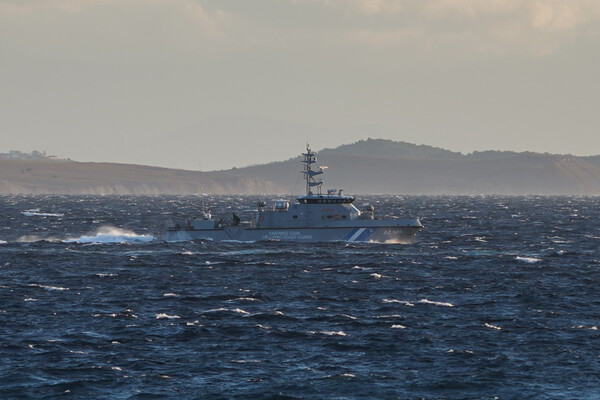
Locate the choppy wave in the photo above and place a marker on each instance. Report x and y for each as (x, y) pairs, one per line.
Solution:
(110, 234)
(528, 260)
(35, 212)
(166, 316)
(436, 303)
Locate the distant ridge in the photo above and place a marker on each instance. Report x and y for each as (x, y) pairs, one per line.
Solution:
(367, 166)
(389, 148)
(19, 155)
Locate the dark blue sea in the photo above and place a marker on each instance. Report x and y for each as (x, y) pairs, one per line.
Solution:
(497, 298)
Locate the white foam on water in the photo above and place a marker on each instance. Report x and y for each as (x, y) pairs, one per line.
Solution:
(103, 275)
(496, 327)
(528, 260)
(406, 303)
(436, 303)
(35, 212)
(592, 328)
(166, 316)
(111, 234)
(330, 333)
(36, 238)
(46, 287)
(215, 310)
(243, 299)
(3, 242)
(395, 241)
(398, 326)
(387, 316)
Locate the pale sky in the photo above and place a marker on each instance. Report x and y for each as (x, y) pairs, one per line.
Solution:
(214, 84)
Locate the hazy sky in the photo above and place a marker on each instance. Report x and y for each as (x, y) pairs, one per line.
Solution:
(214, 84)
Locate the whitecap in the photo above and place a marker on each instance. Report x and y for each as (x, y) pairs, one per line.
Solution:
(3, 242)
(345, 375)
(31, 239)
(110, 234)
(243, 299)
(387, 316)
(166, 316)
(406, 303)
(528, 260)
(35, 212)
(492, 326)
(214, 310)
(46, 287)
(398, 326)
(436, 303)
(170, 295)
(592, 328)
(330, 333)
(213, 262)
(245, 361)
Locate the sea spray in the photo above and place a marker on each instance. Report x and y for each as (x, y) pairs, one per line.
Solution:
(111, 234)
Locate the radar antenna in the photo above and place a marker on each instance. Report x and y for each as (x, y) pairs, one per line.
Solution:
(310, 158)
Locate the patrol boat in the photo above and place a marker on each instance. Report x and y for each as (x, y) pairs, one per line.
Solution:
(316, 217)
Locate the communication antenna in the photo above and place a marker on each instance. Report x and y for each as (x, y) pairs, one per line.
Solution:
(202, 192)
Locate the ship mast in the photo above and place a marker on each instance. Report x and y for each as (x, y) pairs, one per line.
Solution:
(310, 158)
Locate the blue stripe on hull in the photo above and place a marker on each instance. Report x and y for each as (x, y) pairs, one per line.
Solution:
(364, 236)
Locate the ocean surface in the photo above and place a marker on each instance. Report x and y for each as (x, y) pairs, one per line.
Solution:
(497, 298)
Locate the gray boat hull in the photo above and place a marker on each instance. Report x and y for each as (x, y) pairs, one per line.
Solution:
(355, 233)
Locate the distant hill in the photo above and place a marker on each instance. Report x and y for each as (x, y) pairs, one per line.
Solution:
(593, 160)
(391, 149)
(383, 166)
(367, 166)
(19, 155)
(68, 177)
